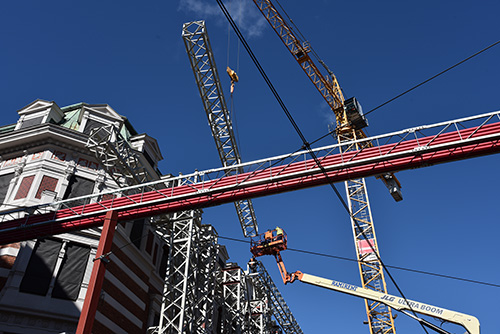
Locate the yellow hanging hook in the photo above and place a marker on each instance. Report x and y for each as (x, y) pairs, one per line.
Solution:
(234, 78)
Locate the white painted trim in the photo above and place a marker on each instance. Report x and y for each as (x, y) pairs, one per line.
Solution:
(122, 310)
(109, 324)
(126, 291)
(10, 251)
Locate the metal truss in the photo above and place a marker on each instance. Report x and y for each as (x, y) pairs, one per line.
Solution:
(179, 311)
(206, 281)
(413, 148)
(258, 304)
(207, 80)
(195, 286)
(379, 316)
(245, 302)
(327, 85)
(233, 283)
(372, 275)
(278, 305)
(259, 314)
(121, 162)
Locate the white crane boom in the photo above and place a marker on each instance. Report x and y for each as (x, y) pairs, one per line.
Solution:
(469, 322)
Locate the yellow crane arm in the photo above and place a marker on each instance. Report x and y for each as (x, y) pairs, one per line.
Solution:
(327, 85)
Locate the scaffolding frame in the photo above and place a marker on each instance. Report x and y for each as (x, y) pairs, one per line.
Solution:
(117, 157)
(280, 309)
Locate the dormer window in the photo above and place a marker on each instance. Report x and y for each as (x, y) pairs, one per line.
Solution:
(39, 112)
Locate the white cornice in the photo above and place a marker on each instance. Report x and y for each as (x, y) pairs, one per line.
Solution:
(42, 134)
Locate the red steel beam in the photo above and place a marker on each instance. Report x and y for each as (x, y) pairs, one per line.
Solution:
(371, 161)
(93, 295)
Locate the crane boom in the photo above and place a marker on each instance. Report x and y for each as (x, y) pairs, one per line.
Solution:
(202, 62)
(205, 72)
(407, 149)
(469, 322)
(327, 85)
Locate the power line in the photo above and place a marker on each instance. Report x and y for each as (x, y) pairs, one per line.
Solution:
(333, 131)
(423, 272)
(306, 145)
(433, 77)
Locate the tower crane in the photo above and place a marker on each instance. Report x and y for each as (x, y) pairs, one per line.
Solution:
(349, 124)
(274, 242)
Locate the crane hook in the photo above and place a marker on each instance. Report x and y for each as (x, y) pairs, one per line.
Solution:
(234, 77)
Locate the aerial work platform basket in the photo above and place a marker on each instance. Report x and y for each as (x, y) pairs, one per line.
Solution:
(269, 243)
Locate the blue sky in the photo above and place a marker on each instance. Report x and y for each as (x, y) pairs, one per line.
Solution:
(131, 55)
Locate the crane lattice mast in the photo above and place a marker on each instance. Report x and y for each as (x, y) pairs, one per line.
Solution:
(202, 62)
(348, 130)
(207, 80)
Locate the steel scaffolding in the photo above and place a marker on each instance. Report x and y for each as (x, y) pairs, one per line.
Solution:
(178, 311)
(117, 157)
(200, 295)
(280, 309)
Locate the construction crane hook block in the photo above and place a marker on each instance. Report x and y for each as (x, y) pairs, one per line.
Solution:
(234, 77)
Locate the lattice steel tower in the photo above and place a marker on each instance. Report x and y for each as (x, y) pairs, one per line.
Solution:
(349, 121)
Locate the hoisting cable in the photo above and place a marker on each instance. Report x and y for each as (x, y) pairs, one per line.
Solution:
(260, 69)
(234, 78)
(306, 145)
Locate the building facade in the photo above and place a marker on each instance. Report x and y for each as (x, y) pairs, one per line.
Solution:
(43, 282)
(165, 274)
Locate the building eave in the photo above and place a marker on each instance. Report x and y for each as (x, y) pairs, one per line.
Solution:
(24, 139)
